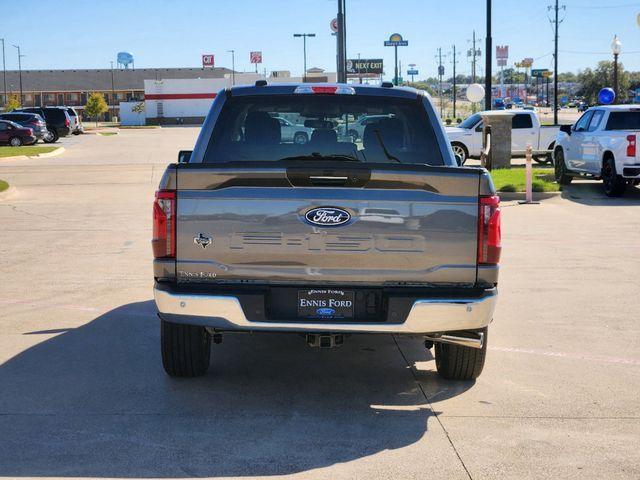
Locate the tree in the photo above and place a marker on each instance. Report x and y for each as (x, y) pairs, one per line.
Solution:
(12, 103)
(592, 81)
(95, 106)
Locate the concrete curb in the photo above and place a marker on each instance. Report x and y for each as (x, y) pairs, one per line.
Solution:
(54, 153)
(537, 196)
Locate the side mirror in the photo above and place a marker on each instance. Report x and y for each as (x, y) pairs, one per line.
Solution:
(566, 129)
(458, 159)
(184, 156)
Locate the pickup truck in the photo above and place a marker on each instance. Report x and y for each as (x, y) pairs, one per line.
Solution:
(252, 233)
(601, 145)
(466, 138)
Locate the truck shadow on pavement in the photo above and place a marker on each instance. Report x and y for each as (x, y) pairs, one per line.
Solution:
(589, 192)
(94, 402)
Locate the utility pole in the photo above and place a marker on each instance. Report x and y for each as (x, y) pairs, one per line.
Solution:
(556, 23)
(440, 73)
(488, 56)
(454, 81)
(473, 62)
(4, 73)
(304, 50)
(20, 70)
(233, 66)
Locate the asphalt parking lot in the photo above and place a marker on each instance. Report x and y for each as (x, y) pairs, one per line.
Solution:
(83, 393)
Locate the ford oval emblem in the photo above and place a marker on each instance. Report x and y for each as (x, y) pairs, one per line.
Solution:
(327, 216)
(326, 312)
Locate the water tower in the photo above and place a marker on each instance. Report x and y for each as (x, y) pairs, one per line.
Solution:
(125, 59)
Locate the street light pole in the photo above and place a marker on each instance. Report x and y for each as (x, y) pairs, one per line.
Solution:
(304, 50)
(113, 100)
(233, 66)
(20, 70)
(4, 72)
(616, 48)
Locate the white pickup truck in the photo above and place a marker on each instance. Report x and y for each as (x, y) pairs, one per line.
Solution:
(602, 145)
(466, 138)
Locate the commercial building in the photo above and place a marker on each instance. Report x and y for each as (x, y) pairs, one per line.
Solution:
(72, 87)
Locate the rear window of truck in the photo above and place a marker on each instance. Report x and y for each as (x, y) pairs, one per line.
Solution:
(249, 128)
(624, 120)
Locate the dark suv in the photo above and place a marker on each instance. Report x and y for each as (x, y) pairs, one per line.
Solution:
(28, 120)
(58, 121)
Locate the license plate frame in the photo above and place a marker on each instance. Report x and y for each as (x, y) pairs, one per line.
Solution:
(326, 304)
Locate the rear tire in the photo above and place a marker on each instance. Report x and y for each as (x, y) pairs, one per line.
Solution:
(185, 349)
(455, 362)
(561, 174)
(300, 138)
(614, 185)
(15, 142)
(51, 136)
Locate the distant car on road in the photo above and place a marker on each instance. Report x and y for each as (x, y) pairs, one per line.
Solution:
(28, 120)
(466, 138)
(58, 121)
(290, 132)
(15, 135)
(355, 129)
(601, 144)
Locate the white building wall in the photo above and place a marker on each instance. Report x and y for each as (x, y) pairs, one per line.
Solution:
(168, 100)
(129, 117)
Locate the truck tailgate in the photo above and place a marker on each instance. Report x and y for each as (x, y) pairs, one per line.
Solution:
(387, 225)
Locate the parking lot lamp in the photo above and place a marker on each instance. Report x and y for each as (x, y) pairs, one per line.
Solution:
(304, 50)
(4, 72)
(233, 66)
(616, 48)
(20, 70)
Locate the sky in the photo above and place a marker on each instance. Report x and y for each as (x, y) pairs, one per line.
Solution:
(162, 33)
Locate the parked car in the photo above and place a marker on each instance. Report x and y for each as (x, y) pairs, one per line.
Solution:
(355, 130)
(601, 144)
(424, 264)
(58, 121)
(15, 135)
(290, 132)
(466, 138)
(29, 120)
(76, 125)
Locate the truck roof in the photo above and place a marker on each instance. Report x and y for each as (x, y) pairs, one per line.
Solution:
(289, 88)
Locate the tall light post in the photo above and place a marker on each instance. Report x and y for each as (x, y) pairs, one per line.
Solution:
(616, 48)
(20, 70)
(304, 49)
(233, 66)
(4, 72)
(113, 94)
(488, 58)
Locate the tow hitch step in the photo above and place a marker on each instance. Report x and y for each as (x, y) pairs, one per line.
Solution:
(325, 340)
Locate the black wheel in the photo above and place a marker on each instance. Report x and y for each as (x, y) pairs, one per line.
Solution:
(562, 177)
(455, 362)
(185, 349)
(15, 142)
(614, 185)
(353, 134)
(51, 136)
(300, 138)
(460, 150)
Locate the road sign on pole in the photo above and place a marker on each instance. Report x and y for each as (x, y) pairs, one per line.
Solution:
(256, 58)
(207, 61)
(334, 25)
(395, 41)
(538, 72)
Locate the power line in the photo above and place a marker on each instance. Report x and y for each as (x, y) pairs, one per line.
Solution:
(602, 7)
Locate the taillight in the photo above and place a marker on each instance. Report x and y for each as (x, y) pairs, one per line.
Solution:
(631, 146)
(66, 122)
(164, 224)
(489, 235)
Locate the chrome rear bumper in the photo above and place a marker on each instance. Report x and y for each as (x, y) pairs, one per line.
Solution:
(426, 316)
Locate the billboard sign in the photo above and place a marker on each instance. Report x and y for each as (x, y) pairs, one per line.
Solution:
(364, 66)
(502, 52)
(255, 57)
(396, 40)
(412, 72)
(207, 61)
(539, 72)
(527, 62)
